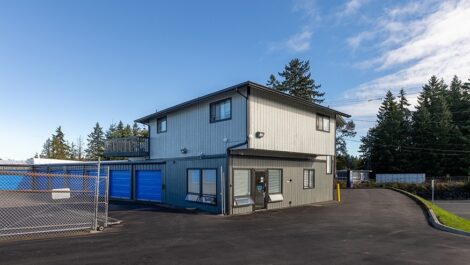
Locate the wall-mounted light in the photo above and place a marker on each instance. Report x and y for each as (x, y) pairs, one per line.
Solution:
(259, 134)
(184, 150)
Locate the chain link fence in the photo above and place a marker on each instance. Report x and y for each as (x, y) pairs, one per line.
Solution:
(51, 201)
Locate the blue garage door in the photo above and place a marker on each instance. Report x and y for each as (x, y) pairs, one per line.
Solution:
(120, 184)
(148, 186)
(76, 183)
(58, 182)
(90, 183)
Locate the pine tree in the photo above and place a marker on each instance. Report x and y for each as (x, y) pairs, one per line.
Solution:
(46, 149)
(344, 130)
(73, 151)
(404, 131)
(127, 131)
(110, 133)
(297, 81)
(80, 153)
(119, 130)
(382, 145)
(59, 146)
(95, 146)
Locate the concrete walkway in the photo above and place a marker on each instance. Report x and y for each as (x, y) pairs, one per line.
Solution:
(372, 226)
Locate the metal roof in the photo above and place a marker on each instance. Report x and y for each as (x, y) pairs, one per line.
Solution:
(250, 84)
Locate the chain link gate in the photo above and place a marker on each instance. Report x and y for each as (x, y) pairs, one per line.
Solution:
(41, 201)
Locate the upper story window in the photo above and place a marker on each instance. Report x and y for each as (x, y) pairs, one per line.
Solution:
(221, 110)
(161, 125)
(323, 123)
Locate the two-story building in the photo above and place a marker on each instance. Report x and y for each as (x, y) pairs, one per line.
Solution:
(237, 150)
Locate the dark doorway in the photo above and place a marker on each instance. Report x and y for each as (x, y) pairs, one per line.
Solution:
(260, 190)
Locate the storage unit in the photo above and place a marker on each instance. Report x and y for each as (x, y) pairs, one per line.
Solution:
(148, 185)
(120, 184)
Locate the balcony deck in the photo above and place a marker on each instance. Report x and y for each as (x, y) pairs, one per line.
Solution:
(127, 147)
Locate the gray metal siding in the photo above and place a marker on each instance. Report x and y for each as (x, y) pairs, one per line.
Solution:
(176, 182)
(292, 191)
(190, 128)
(287, 127)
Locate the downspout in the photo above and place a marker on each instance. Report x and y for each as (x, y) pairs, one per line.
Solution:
(228, 206)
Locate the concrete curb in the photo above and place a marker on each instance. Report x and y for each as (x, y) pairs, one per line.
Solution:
(432, 218)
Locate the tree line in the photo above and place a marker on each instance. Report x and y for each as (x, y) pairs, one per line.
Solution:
(57, 147)
(434, 138)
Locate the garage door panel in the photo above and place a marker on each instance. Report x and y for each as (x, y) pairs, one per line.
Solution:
(120, 184)
(148, 185)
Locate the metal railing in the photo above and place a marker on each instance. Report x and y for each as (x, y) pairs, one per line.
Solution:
(42, 202)
(127, 147)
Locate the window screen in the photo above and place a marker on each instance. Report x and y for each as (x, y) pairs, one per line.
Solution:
(193, 181)
(221, 110)
(161, 125)
(209, 185)
(309, 178)
(274, 181)
(241, 182)
(329, 164)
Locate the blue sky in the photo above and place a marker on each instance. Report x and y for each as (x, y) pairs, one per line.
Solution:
(73, 63)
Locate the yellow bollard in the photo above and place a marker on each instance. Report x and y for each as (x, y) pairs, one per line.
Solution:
(338, 192)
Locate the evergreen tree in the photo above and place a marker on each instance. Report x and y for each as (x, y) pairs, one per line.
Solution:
(404, 131)
(127, 131)
(73, 151)
(119, 130)
(343, 130)
(59, 147)
(46, 149)
(110, 133)
(382, 145)
(80, 152)
(95, 146)
(297, 81)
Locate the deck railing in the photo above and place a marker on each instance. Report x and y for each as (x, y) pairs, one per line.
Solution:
(127, 147)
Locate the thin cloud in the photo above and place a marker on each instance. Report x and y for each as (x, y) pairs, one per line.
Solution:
(414, 49)
(351, 7)
(301, 40)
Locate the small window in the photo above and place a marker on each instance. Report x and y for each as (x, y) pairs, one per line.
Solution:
(241, 183)
(161, 125)
(274, 181)
(221, 110)
(309, 178)
(323, 123)
(329, 168)
(209, 182)
(194, 177)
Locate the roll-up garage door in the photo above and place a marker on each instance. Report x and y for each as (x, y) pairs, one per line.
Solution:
(148, 186)
(120, 184)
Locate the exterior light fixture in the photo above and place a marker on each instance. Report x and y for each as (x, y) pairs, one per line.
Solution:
(184, 150)
(259, 134)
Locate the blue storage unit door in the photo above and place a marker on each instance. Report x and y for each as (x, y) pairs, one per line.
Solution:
(120, 184)
(148, 185)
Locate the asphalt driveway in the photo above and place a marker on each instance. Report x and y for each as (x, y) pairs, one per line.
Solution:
(370, 227)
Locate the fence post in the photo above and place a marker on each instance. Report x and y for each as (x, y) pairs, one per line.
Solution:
(97, 191)
(106, 198)
(432, 190)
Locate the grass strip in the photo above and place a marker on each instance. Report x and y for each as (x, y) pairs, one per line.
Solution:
(446, 218)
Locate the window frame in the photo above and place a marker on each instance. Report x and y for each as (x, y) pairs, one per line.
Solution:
(321, 117)
(201, 194)
(281, 180)
(214, 104)
(250, 184)
(330, 158)
(303, 182)
(166, 125)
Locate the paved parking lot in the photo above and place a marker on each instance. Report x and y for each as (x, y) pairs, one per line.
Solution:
(458, 207)
(369, 227)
